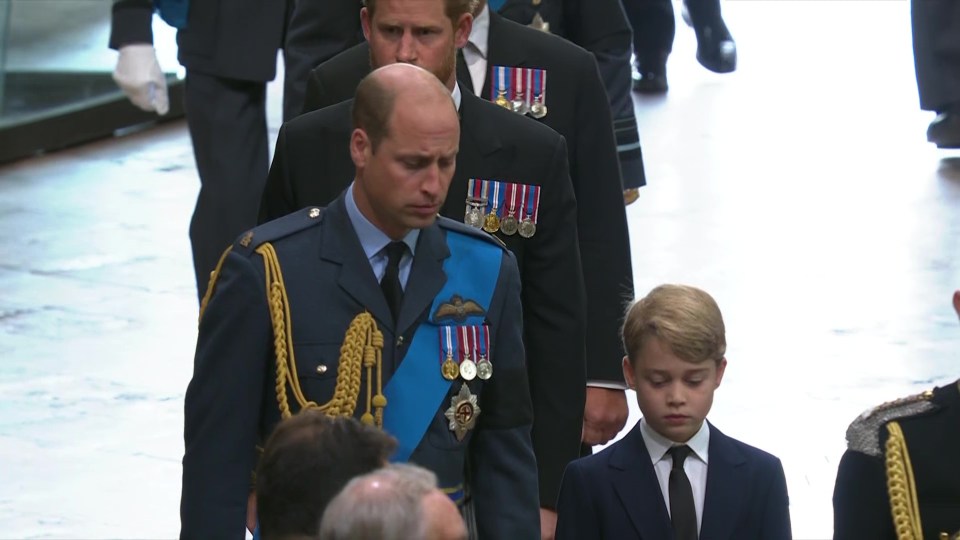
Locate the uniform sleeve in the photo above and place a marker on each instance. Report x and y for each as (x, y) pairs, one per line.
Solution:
(576, 515)
(503, 469)
(861, 507)
(319, 30)
(131, 22)
(223, 404)
(278, 198)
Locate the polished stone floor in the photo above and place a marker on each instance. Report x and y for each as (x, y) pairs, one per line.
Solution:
(799, 191)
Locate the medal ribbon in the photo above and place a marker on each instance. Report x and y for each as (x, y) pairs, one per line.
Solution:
(540, 84)
(464, 343)
(519, 80)
(532, 202)
(485, 342)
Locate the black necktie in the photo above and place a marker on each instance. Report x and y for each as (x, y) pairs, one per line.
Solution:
(463, 72)
(682, 512)
(390, 283)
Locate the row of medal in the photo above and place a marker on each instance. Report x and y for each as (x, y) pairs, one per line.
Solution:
(502, 206)
(521, 90)
(464, 352)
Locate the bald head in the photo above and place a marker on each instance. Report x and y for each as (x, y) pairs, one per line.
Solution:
(379, 92)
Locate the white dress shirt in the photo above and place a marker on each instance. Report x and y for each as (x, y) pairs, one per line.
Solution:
(695, 465)
(475, 51)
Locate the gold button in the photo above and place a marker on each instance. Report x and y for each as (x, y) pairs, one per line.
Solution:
(314, 213)
(536, 2)
(321, 369)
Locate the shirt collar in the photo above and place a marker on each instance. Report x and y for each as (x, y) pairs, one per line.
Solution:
(657, 445)
(479, 35)
(372, 239)
(457, 95)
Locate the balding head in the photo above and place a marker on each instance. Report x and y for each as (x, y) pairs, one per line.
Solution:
(378, 93)
(404, 146)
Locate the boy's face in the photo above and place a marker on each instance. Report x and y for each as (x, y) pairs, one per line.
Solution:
(674, 395)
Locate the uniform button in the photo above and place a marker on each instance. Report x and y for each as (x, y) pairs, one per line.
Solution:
(314, 213)
(321, 369)
(399, 341)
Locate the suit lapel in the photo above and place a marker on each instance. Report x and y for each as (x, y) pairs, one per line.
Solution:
(637, 487)
(478, 142)
(502, 50)
(723, 501)
(341, 246)
(426, 277)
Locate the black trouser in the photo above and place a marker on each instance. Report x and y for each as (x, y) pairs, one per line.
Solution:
(228, 125)
(654, 24)
(936, 52)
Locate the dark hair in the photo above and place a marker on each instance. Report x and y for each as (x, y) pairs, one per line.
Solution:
(372, 107)
(305, 463)
(454, 9)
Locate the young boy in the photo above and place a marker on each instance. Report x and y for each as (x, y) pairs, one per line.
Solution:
(674, 475)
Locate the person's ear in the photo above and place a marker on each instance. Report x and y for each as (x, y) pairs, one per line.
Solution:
(628, 374)
(461, 32)
(956, 302)
(365, 22)
(721, 368)
(359, 148)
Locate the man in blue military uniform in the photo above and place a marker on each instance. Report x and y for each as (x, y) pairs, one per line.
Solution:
(433, 353)
(900, 475)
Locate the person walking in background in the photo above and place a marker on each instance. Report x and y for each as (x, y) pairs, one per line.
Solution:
(936, 56)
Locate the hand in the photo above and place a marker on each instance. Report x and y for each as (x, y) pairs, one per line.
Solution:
(138, 74)
(548, 524)
(605, 414)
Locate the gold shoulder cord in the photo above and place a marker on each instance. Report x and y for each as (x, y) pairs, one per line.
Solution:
(901, 486)
(362, 348)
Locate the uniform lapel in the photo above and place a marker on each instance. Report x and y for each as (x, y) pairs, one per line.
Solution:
(426, 277)
(637, 487)
(723, 501)
(341, 246)
(502, 50)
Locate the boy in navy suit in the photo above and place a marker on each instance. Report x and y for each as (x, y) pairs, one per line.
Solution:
(674, 475)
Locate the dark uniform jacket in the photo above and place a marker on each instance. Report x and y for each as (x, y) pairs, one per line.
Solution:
(312, 165)
(232, 39)
(576, 106)
(615, 494)
(930, 423)
(232, 405)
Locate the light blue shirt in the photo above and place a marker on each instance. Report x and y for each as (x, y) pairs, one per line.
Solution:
(374, 241)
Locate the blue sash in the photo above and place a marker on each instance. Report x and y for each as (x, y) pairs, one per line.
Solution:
(416, 390)
(173, 12)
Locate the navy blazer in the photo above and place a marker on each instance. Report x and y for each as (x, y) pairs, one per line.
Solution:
(615, 494)
(231, 403)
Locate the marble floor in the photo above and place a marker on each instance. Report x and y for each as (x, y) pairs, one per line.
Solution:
(799, 191)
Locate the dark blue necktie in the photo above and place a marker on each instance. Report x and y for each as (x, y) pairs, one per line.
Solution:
(682, 512)
(390, 282)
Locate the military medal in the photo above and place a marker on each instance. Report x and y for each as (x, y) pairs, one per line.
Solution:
(476, 200)
(538, 109)
(528, 225)
(468, 369)
(539, 24)
(519, 104)
(448, 368)
(491, 222)
(508, 225)
(499, 77)
(463, 412)
(484, 366)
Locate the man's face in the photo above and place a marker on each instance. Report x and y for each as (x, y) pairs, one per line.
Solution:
(674, 395)
(443, 521)
(402, 184)
(415, 32)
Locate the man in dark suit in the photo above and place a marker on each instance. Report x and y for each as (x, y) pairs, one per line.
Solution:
(230, 51)
(575, 102)
(936, 56)
(310, 167)
(675, 475)
(296, 319)
(902, 461)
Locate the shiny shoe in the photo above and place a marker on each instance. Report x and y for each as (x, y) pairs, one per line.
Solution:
(944, 131)
(630, 196)
(650, 75)
(716, 49)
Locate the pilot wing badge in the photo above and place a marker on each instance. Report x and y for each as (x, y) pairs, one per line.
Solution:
(457, 310)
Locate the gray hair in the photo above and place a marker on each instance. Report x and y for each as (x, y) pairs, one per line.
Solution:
(386, 504)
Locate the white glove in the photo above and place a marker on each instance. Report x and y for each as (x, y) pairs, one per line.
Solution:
(138, 74)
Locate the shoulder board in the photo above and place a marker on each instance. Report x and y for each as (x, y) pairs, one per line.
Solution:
(863, 435)
(462, 228)
(278, 228)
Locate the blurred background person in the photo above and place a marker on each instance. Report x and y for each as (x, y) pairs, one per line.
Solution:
(229, 50)
(936, 56)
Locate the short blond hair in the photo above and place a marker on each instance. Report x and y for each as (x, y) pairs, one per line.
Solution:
(684, 318)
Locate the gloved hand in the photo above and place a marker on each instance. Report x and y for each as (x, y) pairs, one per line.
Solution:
(138, 74)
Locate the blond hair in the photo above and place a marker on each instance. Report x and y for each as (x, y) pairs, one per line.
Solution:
(685, 319)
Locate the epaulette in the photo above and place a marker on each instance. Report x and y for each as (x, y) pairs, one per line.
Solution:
(863, 435)
(463, 228)
(278, 228)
